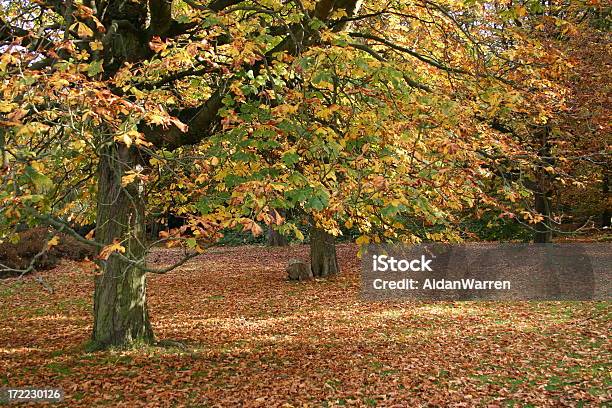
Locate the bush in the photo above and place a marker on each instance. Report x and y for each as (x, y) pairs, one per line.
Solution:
(490, 227)
(19, 255)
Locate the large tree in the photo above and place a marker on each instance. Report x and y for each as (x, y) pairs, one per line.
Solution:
(377, 116)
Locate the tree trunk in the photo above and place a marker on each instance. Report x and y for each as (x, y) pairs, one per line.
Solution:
(276, 239)
(543, 232)
(543, 190)
(121, 317)
(606, 216)
(323, 259)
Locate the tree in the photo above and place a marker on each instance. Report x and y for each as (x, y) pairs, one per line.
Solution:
(372, 115)
(561, 125)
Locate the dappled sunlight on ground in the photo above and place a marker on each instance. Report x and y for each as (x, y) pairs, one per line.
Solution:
(255, 339)
(18, 350)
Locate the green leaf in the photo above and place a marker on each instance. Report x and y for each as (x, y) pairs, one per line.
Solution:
(290, 158)
(191, 243)
(298, 195)
(322, 76)
(316, 24)
(319, 200)
(41, 182)
(95, 68)
(389, 211)
(298, 179)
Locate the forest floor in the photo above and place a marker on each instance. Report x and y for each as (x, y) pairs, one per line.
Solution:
(254, 339)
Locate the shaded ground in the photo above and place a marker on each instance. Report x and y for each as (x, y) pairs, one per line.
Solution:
(256, 340)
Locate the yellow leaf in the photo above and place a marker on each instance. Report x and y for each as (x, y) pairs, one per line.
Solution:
(127, 140)
(156, 119)
(6, 107)
(127, 179)
(82, 30)
(278, 218)
(362, 240)
(109, 249)
(78, 144)
(53, 242)
(250, 225)
(96, 46)
(140, 141)
(127, 137)
(256, 229)
(99, 26)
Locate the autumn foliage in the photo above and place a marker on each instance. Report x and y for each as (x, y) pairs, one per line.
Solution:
(320, 120)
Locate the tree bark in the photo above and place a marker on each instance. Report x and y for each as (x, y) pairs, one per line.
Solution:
(323, 259)
(276, 239)
(121, 316)
(543, 189)
(606, 216)
(543, 231)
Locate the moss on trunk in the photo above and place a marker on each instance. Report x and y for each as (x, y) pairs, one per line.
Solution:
(121, 316)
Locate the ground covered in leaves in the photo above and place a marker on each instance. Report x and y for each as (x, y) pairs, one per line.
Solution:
(254, 339)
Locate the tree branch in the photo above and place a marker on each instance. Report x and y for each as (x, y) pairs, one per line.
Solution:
(10, 33)
(202, 120)
(411, 82)
(409, 52)
(215, 5)
(61, 226)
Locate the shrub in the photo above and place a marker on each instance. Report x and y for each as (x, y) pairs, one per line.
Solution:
(18, 255)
